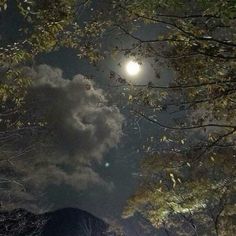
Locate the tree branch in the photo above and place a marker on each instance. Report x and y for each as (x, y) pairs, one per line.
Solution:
(184, 127)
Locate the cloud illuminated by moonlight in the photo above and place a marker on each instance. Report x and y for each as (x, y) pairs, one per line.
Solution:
(84, 127)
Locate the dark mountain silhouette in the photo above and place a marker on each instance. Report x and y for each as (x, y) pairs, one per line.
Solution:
(64, 222)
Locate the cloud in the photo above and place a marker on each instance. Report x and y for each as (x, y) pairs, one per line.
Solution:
(83, 127)
(82, 121)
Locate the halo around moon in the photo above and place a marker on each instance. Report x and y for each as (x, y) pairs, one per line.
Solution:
(133, 68)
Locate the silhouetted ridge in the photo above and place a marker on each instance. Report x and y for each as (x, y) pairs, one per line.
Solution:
(63, 222)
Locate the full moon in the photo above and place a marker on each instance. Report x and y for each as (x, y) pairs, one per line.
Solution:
(133, 68)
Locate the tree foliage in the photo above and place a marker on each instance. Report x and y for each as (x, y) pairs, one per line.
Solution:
(197, 199)
(190, 180)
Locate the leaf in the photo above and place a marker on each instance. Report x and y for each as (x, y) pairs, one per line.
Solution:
(173, 179)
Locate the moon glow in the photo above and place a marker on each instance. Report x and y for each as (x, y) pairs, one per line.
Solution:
(133, 68)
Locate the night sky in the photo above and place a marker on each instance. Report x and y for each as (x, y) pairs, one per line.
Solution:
(119, 165)
(121, 109)
(92, 168)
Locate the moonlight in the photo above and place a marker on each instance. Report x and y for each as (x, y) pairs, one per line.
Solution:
(133, 68)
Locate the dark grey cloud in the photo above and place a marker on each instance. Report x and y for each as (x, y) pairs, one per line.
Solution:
(83, 128)
(83, 122)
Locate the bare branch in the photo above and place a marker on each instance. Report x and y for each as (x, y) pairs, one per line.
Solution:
(184, 127)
